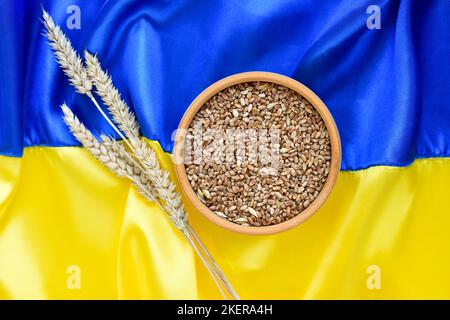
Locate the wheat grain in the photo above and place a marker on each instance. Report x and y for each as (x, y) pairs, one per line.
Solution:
(243, 189)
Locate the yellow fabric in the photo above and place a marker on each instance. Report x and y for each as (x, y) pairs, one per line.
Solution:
(60, 209)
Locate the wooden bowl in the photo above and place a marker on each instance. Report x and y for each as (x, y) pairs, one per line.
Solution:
(290, 83)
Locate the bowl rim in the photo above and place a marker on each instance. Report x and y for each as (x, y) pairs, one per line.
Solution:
(255, 76)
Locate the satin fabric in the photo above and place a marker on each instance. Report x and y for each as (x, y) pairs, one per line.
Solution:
(387, 88)
(60, 208)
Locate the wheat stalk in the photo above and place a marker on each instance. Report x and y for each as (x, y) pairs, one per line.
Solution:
(141, 166)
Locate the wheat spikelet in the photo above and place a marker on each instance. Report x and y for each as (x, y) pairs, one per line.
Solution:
(67, 57)
(143, 153)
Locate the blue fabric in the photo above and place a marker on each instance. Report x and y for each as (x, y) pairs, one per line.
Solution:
(388, 89)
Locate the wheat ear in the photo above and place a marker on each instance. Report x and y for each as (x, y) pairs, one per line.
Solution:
(110, 153)
(73, 67)
(104, 87)
(126, 120)
(114, 156)
(71, 63)
(67, 57)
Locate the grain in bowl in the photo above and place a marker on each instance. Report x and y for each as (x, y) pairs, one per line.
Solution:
(258, 154)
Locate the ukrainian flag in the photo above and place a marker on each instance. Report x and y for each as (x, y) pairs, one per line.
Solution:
(69, 229)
